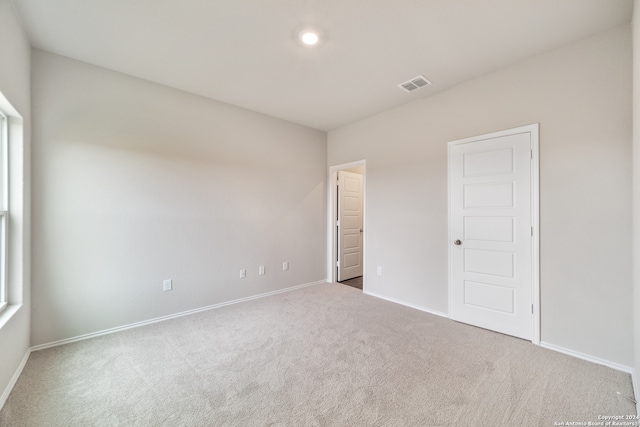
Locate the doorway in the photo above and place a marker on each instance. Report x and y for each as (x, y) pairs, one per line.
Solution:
(493, 232)
(346, 224)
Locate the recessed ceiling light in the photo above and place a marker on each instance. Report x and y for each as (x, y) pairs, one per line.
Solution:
(309, 38)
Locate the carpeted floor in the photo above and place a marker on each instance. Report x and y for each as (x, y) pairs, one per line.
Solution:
(326, 355)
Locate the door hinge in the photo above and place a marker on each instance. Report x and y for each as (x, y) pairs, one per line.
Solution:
(337, 263)
(338, 223)
(531, 231)
(531, 308)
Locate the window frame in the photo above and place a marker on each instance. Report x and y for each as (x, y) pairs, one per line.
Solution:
(4, 214)
(14, 201)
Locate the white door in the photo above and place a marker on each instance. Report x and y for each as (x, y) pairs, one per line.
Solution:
(349, 225)
(490, 245)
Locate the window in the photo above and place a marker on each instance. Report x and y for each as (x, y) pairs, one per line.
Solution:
(4, 136)
(14, 221)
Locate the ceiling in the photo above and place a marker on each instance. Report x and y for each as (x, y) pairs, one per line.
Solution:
(247, 53)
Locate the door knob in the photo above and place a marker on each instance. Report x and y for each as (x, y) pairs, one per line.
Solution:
(457, 242)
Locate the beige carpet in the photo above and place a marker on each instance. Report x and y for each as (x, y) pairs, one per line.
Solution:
(326, 355)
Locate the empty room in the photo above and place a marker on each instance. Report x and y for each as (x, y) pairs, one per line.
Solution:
(319, 213)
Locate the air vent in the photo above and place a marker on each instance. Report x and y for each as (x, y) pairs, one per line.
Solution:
(414, 84)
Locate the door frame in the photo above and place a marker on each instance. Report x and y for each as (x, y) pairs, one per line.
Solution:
(332, 217)
(533, 129)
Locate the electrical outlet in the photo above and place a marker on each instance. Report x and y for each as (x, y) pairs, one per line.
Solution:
(379, 271)
(261, 270)
(167, 285)
(243, 273)
(285, 266)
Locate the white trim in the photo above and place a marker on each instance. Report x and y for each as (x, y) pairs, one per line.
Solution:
(4, 203)
(587, 357)
(332, 207)
(417, 307)
(171, 316)
(535, 223)
(533, 129)
(4, 245)
(636, 389)
(17, 222)
(8, 312)
(14, 379)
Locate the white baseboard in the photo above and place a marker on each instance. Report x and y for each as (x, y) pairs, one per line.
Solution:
(14, 379)
(171, 316)
(417, 307)
(588, 358)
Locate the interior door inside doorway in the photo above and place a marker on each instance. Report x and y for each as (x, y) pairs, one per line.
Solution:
(350, 225)
(491, 231)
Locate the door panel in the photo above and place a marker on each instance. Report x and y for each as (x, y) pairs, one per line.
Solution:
(489, 296)
(490, 229)
(488, 163)
(492, 263)
(490, 214)
(488, 195)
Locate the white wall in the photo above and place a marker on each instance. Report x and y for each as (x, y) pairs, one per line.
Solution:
(581, 96)
(636, 183)
(135, 182)
(14, 84)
